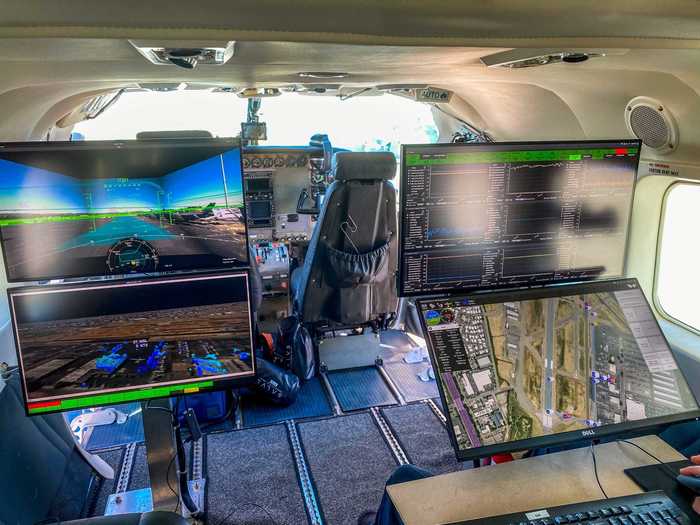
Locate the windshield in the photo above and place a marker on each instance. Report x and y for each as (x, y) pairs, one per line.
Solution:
(363, 123)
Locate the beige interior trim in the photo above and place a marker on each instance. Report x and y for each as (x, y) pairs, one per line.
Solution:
(635, 42)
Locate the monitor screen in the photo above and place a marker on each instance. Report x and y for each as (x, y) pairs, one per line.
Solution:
(513, 214)
(535, 368)
(259, 209)
(115, 342)
(81, 209)
(262, 184)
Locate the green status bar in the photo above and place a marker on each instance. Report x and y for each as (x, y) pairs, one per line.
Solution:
(116, 398)
(488, 157)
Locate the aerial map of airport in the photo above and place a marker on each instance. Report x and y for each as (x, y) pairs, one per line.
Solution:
(512, 371)
(56, 225)
(70, 356)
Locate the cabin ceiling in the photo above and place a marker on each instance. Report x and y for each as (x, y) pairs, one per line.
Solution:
(53, 58)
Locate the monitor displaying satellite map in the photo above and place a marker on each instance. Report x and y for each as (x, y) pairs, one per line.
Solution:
(82, 209)
(568, 362)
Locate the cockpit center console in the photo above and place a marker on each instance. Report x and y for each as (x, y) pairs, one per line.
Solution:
(274, 179)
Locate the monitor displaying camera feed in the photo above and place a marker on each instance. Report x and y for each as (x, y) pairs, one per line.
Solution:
(99, 344)
(500, 215)
(535, 368)
(81, 209)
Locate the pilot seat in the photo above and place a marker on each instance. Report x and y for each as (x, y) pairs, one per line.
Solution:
(344, 293)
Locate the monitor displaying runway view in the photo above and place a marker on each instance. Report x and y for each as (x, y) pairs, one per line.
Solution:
(89, 345)
(537, 367)
(97, 208)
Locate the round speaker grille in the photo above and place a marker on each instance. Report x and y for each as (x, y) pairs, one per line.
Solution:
(649, 125)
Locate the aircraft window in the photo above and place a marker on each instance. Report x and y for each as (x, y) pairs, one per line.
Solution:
(362, 123)
(219, 113)
(677, 280)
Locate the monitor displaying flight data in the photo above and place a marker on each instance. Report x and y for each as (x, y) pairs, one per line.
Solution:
(547, 366)
(88, 345)
(513, 214)
(80, 209)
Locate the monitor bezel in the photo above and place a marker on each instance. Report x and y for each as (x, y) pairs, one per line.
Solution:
(232, 142)
(226, 383)
(400, 283)
(625, 429)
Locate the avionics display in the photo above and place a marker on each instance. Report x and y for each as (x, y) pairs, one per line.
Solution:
(80, 209)
(511, 214)
(534, 368)
(88, 345)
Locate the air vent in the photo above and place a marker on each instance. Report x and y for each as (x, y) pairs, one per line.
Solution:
(522, 58)
(651, 122)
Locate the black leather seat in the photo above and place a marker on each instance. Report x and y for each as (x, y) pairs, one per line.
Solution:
(43, 477)
(349, 272)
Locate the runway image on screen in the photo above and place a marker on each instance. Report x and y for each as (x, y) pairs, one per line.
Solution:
(86, 212)
(533, 367)
(89, 340)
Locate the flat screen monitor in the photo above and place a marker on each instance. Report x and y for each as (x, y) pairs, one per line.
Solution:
(554, 365)
(258, 185)
(88, 345)
(259, 209)
(79, 209)
(513, 214)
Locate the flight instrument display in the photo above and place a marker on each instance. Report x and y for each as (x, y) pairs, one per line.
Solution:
(110, 343)
(552, 365)
(81, 209)
(513, 214)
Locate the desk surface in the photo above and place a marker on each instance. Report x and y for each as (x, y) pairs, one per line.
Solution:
(526, 484)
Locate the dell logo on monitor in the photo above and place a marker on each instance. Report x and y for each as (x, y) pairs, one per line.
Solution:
(588, 433)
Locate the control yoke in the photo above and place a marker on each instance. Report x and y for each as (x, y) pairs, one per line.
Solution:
(321, 168)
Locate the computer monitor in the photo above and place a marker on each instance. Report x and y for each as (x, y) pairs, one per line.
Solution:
(88, 345)
(533, 368)
(79, 209)
(509, 214)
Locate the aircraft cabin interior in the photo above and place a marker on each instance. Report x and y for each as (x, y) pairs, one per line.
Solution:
(349, 263)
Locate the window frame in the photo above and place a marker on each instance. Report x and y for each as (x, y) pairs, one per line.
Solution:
(657, 259)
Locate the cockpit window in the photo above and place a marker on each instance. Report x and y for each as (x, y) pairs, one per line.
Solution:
(362, 123)
(359, 124)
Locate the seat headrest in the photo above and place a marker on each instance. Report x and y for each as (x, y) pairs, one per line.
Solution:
(374, 165)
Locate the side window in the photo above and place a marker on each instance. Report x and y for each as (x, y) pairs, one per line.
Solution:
(678, 270)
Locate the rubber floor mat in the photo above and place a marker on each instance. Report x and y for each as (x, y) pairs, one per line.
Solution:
(360, 388)
(107, 436)
(349, 463)
(311, 402)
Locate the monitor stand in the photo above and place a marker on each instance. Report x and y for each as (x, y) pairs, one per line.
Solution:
(163, 466)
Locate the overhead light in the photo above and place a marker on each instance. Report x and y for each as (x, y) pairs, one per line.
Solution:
(185, 54)
(323, 75)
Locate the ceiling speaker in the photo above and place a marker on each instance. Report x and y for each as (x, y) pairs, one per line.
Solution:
(651, 122)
